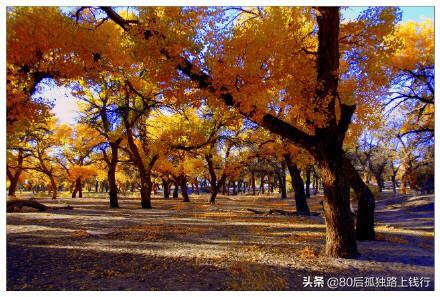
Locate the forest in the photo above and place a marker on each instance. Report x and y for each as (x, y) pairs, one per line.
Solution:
(219, 148)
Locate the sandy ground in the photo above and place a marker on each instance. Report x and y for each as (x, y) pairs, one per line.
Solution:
(197, 246)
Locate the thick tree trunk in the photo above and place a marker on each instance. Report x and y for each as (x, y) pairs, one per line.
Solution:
(13, 184)
(298, 186)
(340, 236)
(366, 203)
(166, 188)
(14, 177)
(184, 188)
(146, 187)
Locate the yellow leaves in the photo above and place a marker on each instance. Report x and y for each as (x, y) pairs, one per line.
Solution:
(416, 44)
(83, 172)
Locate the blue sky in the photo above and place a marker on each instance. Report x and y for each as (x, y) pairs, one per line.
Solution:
(65, 105)
(409, 13)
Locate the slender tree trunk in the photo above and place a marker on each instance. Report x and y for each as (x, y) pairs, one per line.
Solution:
(196, 183)
(308, 181)
(111, 176)
(379, 182)
(53, 185)
(262, 184)
(393, 180)
(298, 187)
(176, 190)
(254, 190)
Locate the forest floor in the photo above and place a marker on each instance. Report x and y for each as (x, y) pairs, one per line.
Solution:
(198, 246)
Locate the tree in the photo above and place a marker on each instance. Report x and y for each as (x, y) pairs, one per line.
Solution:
(99, 110)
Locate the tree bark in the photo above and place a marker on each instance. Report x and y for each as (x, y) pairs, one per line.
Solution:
(166, 188)
(77, 189)
(393, 180)
(111, 175)
(176, 190)
(379, 182)
(366, 203)
(146, 187)
(254, 190)
(340, 235)
(298, 186)
(308, 182)
(53, 185)
(183, 187)
(14, 177)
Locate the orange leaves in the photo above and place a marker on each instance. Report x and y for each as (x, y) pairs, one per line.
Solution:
(415, 44)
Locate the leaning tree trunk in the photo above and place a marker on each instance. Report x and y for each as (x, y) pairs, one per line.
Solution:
(366, 203)
(298, 187)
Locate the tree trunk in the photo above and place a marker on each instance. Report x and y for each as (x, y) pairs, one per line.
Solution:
(393, 180)
(13, 184)
(176, 190)
(282, 180)
(366, 203)
(77, 189)
(166, 188)
(53, 185)
(196, 183)
(308, 181)
(111, 176)
(146, 187)
(13, 178)
(262, 184)
(379, 182)
(340, 236)
(298, 186)
(184, 188)
(254, 190)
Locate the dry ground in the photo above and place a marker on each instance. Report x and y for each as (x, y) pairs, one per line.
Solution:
(197, 246)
